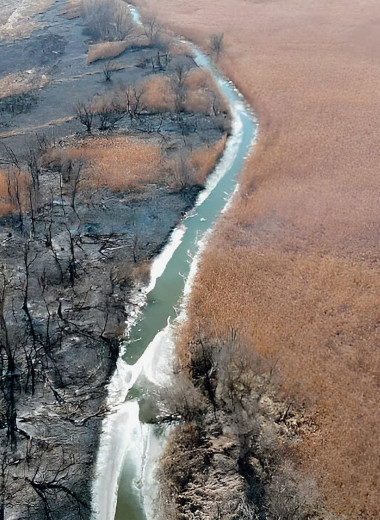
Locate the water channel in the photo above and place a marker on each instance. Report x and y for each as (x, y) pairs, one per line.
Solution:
(124, 488)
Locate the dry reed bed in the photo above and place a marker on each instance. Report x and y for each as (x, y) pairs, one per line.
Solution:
(157, 95)
(118, 163)
(105, 50)
(12, 182)
(126, 163)
(201, 93)
(22, 82)
(22, 18)
(294, 264)
(203, 160)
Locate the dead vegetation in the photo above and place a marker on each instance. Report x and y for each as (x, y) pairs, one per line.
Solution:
(22, 82)
(22, 19)
(105, 50)
(203, 160)
(107, 21)
(230, 455)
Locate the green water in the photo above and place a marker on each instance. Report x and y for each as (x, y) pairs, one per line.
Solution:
(163, 301)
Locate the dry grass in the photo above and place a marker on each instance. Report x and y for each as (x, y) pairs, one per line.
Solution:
(294, 265)
(22, 82)
(117, 163)
(105, 50)
(158, 95)
(72, 9)
(177, 48)
(203, 160)
(22, 18)
(202, 94)
(8, 202)
(6, 205)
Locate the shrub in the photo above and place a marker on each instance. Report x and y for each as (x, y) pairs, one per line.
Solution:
(158, 95)
(107, 21)
(105, 50)
(203, 160)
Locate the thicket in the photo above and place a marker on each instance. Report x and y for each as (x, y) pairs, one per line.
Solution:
(228, 457)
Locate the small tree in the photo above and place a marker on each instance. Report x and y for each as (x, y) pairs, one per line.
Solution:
(108, 68)
(216, 44)
(134, 103)
(179, 87)
(85, 114)
(152, 30)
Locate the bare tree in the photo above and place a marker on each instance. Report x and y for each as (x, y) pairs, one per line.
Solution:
(133, 96)
(85, 113)
(9, 374)
(181, 170)
(52, 483)
(108, 68)
(216, 44)
(152, 30)
(31, 156)
(179, 87)
(107, 21)
(14, 181)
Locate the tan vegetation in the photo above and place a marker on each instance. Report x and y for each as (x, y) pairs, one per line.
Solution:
(13, 191)
(203, 160)
(22, 82)
(118, 163)
(179, 48)
(105, 50)
(200, 94)
(223, 394)
(125, 163)
(21, 18)
(157, 94)
(294, 263)
(5, 203)
(72, 9)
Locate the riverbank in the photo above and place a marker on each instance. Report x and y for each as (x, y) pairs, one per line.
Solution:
(293, 265)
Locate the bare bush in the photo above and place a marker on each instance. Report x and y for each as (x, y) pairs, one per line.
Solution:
(180, 171)
(158, 95)
(216, 44)
(107, 21)
(85, 113)
(291, 496)
(105, 50)
(182, 400)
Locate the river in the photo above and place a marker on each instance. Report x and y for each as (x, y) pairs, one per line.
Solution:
(124, 488)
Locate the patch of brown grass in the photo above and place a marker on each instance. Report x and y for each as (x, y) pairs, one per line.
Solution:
(6, 206)
(294, 265)
(105, 50)
(72, 9)
(177, 48)
(203, 95)
(203, 160)
(118, 163)
(22, 82)
(157, 94)
(17, 181)
(22, 18)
